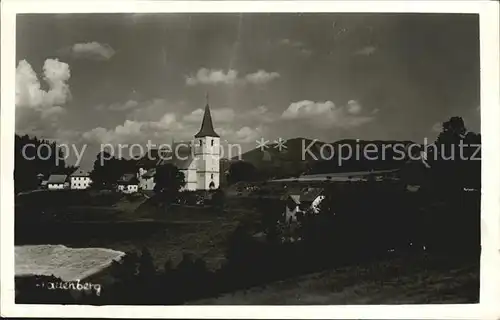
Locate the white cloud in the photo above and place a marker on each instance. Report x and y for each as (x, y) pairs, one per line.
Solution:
(38, 111)
(326, 115)
(261, 77)
(244, 134)
(133, 131)
(297, 46)
(353, 107)
(291, 43)
(437, 127)
(28, 88)
(92, 50)
(160, 121)
(247, 134)
(212, 76)
(224, 115)
(308, 109)
(215, 77)
(366, 51)
(130, 104)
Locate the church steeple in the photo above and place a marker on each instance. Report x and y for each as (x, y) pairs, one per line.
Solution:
(207, 127)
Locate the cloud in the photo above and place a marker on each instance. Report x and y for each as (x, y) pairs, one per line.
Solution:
(133, 131)
(291, 43)
(261, 77)
(28, 88)
(125, 106)
(160, 121)
(437, 127)
(244, 134)
(247, 134)
(38, 111)
(90, 50)
(353, 107)
(326, 115)
(298, 46)
(366, 51)
(224, 115)
(215, 77)
(206, 76)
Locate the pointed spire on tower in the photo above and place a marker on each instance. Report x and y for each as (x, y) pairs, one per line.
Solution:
(207, 127)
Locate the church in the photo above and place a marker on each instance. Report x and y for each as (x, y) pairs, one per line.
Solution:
(198, 160)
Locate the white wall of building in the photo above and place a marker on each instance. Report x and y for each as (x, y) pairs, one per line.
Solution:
(147, 183)
(207, 153)
(130, 188)
(80, 183)
(55, 186)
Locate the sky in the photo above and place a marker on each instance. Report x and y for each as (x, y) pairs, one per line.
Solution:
(95, 79)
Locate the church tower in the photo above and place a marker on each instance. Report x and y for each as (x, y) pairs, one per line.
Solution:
(207, 154)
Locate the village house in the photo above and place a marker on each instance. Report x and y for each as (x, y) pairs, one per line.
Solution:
(79, 180)
(304, 201)
(57, 182)
(146, 179)
(128, 183)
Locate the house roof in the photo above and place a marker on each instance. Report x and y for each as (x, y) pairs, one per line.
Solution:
(149, 174)
(44, 183)
(207, 127)
(311, 194)
(303, 195)
(128, 178)
(79, 173)
(57, 178)
(295, 198)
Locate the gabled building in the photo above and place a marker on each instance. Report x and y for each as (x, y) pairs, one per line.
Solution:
(57, 182)
(146, 179)
(79, 180)
(128, 183)
(303, 201)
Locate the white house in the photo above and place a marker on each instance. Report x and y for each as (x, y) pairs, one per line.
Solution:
(303, 201)
(146, 179)
(128, 183)
(57, 182)
(199, 160)
(79, 180)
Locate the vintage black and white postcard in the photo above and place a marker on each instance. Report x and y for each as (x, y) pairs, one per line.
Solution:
(259, 159)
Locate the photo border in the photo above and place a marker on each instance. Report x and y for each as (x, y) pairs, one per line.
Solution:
(490, 130)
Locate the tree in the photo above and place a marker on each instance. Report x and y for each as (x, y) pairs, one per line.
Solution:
(168, 180)
(107, 170)
(241, 171)
(33, 156)
(146, 265)
(455, 162)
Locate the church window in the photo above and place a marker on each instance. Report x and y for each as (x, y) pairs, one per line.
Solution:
(212, 143)
(211, 176)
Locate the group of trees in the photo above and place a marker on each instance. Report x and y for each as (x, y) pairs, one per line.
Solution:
(33, 157)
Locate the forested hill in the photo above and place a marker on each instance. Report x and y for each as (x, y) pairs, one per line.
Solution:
(303, 155)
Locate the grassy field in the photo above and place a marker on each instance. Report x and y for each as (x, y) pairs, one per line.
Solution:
(200, 233)
(411, 280)
(132, 224)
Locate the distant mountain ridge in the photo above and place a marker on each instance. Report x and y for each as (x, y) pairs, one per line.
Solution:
(303, 155)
